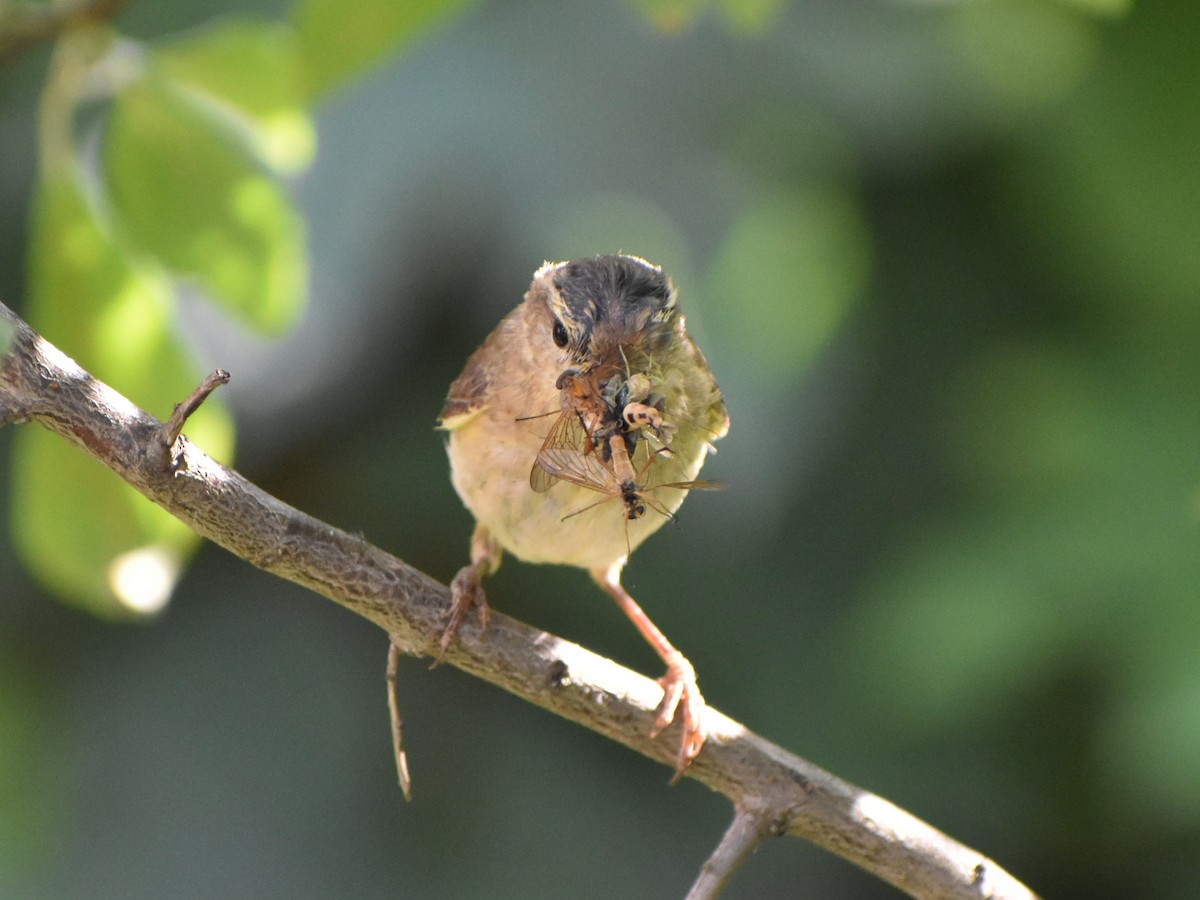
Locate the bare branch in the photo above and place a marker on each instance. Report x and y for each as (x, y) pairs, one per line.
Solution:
(37, 382)
(393, 670)
(745, 833)
(174, 425)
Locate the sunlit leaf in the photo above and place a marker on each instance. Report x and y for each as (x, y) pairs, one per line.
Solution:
(75, 522)
(341, 38)
(251, 70)
(185, 195)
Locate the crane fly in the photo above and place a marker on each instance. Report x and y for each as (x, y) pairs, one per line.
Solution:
(615, 477)
(593, 413)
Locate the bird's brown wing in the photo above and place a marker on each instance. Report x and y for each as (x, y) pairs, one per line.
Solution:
(467, 395)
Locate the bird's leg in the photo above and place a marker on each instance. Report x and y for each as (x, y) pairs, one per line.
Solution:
(466, 590)
(680, 690)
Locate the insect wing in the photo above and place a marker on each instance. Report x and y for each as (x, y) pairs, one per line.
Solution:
(567, 436)
(539, 478)
(577, 467)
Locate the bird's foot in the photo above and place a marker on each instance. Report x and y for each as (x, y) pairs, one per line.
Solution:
(466, 592)
(681, 693)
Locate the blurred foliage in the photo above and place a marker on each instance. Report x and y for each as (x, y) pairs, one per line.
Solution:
(255, 70)
(339, 39)
(31, 798)
(808, 242)
(181, 185)
(234, 230)
(112, 310)
(942, 260)
(1024, 52)
(747, 16)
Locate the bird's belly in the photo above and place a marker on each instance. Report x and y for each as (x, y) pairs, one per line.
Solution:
(567, 524)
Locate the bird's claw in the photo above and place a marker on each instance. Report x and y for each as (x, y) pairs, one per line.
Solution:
(466, 593)
(681, 692)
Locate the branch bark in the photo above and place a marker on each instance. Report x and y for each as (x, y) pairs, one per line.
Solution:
(772, 790)
(742, 838)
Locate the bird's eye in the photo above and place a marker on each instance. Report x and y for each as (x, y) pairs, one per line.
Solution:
(561, 338)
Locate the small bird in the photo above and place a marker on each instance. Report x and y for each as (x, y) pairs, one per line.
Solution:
(590, 390)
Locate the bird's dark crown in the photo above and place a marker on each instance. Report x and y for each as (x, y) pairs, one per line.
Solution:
(613, 301)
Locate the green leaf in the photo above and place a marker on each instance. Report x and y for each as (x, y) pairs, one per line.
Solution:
(84, 534)
(796, 261)
(188, 197)
(250, 71)
(341, 38)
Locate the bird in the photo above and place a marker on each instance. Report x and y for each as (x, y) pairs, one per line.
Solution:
(589, 391)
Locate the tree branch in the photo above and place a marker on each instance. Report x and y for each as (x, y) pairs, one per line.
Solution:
(774, 791)
(745, 833)
(173, 427)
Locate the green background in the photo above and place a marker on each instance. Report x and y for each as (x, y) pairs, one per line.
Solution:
(944, 260)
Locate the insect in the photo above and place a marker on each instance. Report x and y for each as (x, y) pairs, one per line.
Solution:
(607, 469)
(596, 435)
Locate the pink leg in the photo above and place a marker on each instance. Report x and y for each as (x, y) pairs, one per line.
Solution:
(680, 690)
(466, 590)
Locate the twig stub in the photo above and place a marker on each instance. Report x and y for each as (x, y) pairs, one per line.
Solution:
(742, 838)
(393, 669)
(173, 427)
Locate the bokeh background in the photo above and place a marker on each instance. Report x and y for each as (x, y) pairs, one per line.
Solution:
(944, 259)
